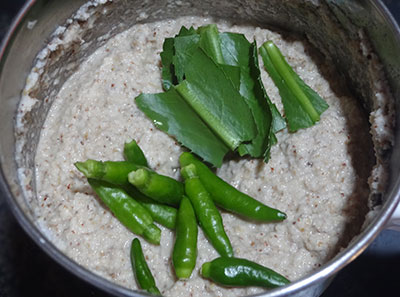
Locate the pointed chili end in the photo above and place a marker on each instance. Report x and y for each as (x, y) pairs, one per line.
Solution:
(136, 243)
(152, 234)
(154, 291)
(90, 168)
(205, 269)
(81, 167)
(183, 273)
(281, 216)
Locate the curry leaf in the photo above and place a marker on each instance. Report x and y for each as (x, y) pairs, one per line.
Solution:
(168, 72)
(253, 89)
(233, 73)
(184, 46)
(171, 114)
(185, 31)
(212, 95)
(216, 100)
(302, 105)
(170, 55)
(239, 52)
(186, 43)
(210, 42)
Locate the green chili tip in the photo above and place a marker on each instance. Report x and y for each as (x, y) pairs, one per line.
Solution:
(183, 273)
(153, 234)
(133, 153)
(189, 171)
(280, 215)
(205, 269)
(90, 168)
(139, 177)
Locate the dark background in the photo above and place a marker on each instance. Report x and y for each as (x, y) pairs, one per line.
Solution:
(25, 270)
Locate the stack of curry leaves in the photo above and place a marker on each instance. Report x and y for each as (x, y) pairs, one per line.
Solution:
(214, 102)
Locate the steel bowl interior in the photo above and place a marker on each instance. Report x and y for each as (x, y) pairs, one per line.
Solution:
(327, 24)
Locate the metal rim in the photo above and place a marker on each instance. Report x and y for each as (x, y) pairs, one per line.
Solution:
(328, 270)
(33, 232)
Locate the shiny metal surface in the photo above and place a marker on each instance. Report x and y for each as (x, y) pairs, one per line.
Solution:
(15, 65)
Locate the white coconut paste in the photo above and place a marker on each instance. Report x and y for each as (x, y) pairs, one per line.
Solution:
(311, 175)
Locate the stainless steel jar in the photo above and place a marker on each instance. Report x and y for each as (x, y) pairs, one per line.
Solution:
(38, 19)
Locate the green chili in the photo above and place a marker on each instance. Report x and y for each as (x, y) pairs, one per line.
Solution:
(228, 197)
(128, 211)
(158, 187)
(161, 213)
(185, 248)
(142, 272)
(115, 172)
(206, 212)
(133, 153)
(241, 272)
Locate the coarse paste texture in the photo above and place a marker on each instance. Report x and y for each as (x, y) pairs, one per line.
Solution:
(317, 176)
